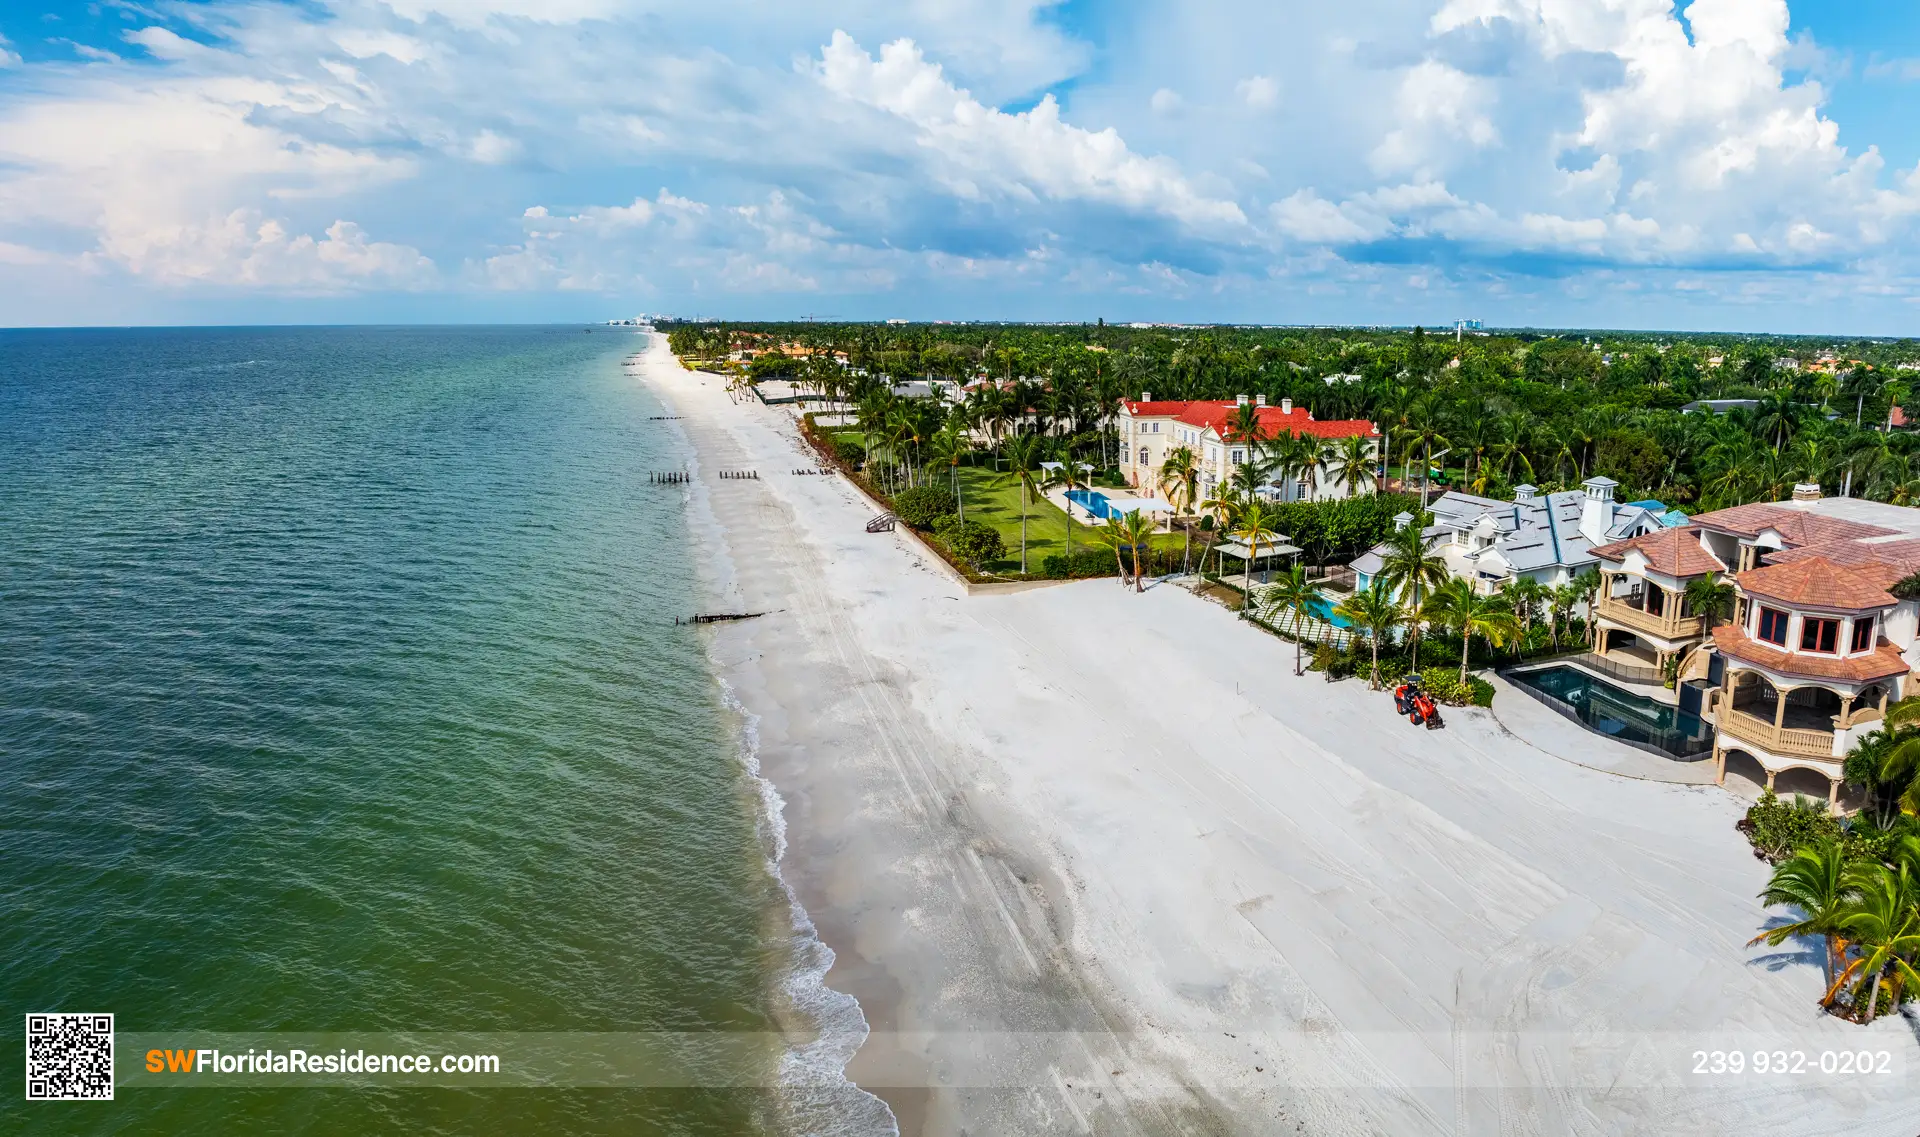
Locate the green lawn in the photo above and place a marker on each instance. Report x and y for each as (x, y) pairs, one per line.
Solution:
(995, 499)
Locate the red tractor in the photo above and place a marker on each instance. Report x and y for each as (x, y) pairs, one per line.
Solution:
(1411, 699)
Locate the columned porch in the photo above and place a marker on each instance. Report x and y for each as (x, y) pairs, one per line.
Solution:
(1782, 726)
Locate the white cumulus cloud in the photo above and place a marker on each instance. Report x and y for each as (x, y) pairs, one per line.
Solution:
(983, 152)
(1260, 92)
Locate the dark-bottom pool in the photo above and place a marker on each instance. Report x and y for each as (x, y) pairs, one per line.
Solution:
(1609, 710)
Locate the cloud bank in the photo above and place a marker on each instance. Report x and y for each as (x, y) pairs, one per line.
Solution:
(1291, 161)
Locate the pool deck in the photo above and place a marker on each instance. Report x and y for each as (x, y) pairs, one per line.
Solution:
(1658, 692)
(1538, 726)
(1058, 496)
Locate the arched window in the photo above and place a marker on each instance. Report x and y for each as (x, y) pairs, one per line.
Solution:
(1143, 455)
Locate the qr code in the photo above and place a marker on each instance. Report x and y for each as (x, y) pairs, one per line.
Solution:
(69, 1057)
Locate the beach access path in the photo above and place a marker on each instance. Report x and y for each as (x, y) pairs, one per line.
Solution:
(1098, 862)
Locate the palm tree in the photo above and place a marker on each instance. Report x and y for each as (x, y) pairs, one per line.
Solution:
(1456, 605)
(1254, 532)
(1883, 922)
(1180, 478)
(1180, 481)
(1871, 455)
(1068, 475)
(1525, 594)
(1111, 536)
(946, 448)
(1516, 431)
(1585, 587)
(1226, 505)
(1776, 417)
(1894, 782)
(1293, 592)
(1710, 598)
(1023, 453)
(1376, 610)
(1815, 881)
(1137, 529)
(1424, 426)
(1407, 567)
(1560, 602)
(1353, 464)
(1245, 427)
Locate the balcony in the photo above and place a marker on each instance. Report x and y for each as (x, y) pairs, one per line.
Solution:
(1778, 740)
(1669, 626)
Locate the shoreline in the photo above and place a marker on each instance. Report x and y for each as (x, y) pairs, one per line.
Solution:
(1093, 861)
(816, 1095)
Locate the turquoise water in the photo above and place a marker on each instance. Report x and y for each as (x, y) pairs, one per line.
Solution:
(1621, 714)
(339, 690)
(1093, 502)
(1323, 608)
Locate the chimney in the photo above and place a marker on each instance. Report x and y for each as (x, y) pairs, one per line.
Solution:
(1596, 513)
(1146, 396)
(1807, 491)
(1524, 494)
(1286, 406)
(1243, 400)
(1259, 400)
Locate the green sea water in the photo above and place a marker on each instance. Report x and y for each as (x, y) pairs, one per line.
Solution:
(340, 691)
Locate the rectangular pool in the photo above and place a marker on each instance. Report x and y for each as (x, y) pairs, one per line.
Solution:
(1609, 710)
(1093, 502)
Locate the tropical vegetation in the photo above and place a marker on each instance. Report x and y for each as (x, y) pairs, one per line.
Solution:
(1540, 407)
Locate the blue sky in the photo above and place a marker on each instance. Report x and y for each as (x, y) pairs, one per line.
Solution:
(1730, 164)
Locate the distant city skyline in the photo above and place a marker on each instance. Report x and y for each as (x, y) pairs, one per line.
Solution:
(1720, 165)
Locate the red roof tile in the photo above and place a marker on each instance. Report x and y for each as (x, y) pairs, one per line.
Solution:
(1676, 552)
(1797, 526)
(1816, 582)
(1882, 661)
(1219, 415)
(1897, 558)
(1159, 408)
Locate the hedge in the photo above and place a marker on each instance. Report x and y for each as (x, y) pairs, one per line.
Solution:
(972, 541)
(923, 507)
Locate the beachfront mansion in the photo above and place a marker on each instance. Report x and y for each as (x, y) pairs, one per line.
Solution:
(1549, 538)
(1150, 430)
(1822, 636)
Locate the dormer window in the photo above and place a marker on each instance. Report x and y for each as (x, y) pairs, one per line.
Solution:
(1822, 636)
(1773, 625)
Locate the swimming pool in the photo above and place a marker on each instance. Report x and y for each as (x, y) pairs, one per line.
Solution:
(1094, 502)
(1323, 608)
(1609, 710)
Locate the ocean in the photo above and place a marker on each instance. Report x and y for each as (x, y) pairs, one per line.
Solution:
(340, 690)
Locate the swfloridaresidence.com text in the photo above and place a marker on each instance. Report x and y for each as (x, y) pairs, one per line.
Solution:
(199, 1060)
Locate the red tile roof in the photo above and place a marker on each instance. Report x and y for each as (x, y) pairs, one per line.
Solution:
(1882, 661)
(1797, 526)
(1676, 552)
(1218, 416)
(1896, 416)
(1160, 408)
(1898, 557)
(1817, 582)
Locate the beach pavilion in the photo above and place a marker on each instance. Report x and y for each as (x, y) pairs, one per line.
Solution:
(1241, 551)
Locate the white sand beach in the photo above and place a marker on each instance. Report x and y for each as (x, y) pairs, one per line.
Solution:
(1098, 862)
